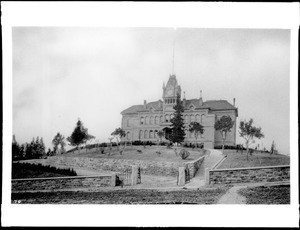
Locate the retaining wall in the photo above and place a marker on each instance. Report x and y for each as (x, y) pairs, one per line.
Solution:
(52, 183)
(159, 168)
(249, 175)
(194, 166)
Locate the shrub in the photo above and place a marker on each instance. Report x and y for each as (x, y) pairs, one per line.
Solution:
(229, 147)
(18, 168)
(139, 151)
(102, 150)
(163, 143)
(103, 144)
(184, 154)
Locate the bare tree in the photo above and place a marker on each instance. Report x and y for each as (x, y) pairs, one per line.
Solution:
(249, 132)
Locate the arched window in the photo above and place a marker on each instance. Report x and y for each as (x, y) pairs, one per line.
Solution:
(128, 135)
(167, 117)
(161, 119)
(141, 134)
(146, 120)
(151, 134)
(151, 120)
(186, 119)
(146, 134)
(172, 115)
(192, 118)
(157, 120)
(142, 120)
(155, 134)
(198, 118)
(202, 118)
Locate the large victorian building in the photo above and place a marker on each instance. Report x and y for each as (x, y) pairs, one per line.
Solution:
(142, 122)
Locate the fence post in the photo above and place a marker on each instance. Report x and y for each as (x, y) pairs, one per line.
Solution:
(207, 176)
(181, 176)
(113, 179)
(134, 175)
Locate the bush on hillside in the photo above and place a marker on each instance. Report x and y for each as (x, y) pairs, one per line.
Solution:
(184, 154)
(229, 147)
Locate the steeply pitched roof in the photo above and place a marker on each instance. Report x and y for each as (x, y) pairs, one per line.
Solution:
(211, 104)
(219, 105)
(139, 108)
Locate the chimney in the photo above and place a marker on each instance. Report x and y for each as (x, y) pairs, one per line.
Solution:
(200, 100)
(145, 104)
(234, 102)
(183, 101)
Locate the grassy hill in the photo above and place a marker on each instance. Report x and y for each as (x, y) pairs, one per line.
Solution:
(238, 160)
(151, 153)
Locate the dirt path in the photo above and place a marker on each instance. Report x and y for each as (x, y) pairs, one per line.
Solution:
(232, 196)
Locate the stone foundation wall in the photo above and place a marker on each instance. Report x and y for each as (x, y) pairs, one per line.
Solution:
(60, 183)
(250, 175)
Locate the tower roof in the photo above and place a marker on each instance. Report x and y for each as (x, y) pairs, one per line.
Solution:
(172, 82)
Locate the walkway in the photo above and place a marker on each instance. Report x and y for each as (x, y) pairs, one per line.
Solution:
(213, 157)
(232, 196)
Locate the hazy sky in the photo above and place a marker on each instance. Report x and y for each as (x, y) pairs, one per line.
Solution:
(62, 74)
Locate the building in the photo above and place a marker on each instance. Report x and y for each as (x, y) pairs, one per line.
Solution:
(142, 122)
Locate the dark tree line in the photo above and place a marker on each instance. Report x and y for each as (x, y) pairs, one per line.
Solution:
(32, 150)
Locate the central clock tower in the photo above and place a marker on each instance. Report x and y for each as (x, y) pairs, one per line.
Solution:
(170, 92)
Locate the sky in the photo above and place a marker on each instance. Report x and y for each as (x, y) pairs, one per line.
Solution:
(61, 74)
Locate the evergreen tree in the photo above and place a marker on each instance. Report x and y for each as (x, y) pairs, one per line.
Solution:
(42, 148)
(30, 150)
(17, 152)
(79, 135)
(49, 152)
(58, 140)
(178, 134)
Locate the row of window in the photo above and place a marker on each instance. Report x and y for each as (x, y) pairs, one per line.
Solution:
(160, 119)
(170, 101)
(153, 134)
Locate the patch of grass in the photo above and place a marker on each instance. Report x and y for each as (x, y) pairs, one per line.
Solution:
(238, 160)
(126, 196)
(27, 170)
(267, 194)
(149, 153)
